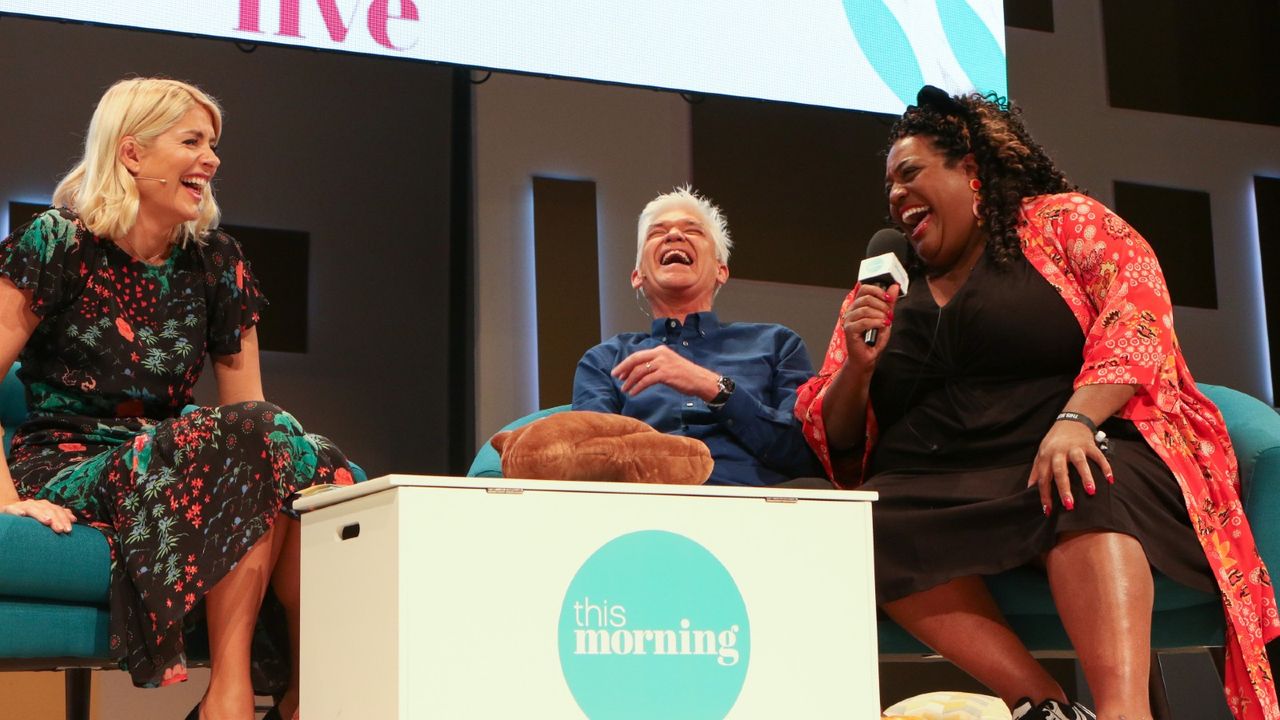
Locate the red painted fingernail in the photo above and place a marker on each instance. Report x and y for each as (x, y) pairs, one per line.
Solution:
(1047, 509)
(887, 296)
(1111, 479)
(1068, 502)
(890, 317)
(1090, 488)
(886, 322)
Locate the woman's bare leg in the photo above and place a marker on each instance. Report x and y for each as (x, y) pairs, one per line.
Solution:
(232, 611)
(1102, 586)
(286, 582)
(960, 620)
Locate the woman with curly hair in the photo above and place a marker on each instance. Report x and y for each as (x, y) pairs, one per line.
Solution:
(1027, 404)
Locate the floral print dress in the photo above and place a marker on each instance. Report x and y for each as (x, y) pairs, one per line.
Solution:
(181, 496)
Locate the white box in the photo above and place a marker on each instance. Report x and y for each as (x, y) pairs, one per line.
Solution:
(451, 598)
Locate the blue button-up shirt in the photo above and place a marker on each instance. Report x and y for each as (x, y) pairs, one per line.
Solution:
(755, 438)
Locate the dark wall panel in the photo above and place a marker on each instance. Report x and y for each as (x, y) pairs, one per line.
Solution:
(281, 260)
(564, 237)
(1205, 59)
(1029, 14)
(1266, 192)
(21, 213)
(802, 187)
(1179, 226)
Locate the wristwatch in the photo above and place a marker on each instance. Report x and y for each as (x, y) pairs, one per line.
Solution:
(726, 389)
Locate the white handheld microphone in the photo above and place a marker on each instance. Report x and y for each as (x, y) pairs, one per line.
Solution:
(162, 181)
(883, 267)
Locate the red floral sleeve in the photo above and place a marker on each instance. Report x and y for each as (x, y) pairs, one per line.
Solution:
(845, 469)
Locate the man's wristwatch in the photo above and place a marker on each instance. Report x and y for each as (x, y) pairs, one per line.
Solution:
(726, 389)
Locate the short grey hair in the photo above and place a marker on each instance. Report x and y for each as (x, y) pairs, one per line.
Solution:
(684, 197)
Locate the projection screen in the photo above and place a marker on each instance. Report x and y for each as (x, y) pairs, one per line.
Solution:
(858, 54)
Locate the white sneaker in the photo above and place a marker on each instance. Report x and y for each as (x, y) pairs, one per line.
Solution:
(1082, 712)
(1022, 710)
(1053, 710)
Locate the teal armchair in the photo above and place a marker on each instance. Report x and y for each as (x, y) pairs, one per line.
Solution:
(1183, 618)
(53, 588)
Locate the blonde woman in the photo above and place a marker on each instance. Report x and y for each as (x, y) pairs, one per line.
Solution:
(111, 299)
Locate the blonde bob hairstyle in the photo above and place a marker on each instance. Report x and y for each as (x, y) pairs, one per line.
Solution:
(100, 188)
(688, 199)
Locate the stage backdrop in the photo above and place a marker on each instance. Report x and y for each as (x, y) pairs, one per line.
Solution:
(857, 54)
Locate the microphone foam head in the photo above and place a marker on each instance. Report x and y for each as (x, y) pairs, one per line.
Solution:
(888, 240)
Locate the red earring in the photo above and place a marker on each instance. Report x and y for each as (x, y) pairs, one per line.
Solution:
(975, 185)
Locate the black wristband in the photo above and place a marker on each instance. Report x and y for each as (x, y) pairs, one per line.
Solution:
(1077, 417)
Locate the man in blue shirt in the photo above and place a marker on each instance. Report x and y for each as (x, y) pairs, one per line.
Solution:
(732, 386)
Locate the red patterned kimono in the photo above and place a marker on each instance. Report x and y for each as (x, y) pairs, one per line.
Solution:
(1110, 279)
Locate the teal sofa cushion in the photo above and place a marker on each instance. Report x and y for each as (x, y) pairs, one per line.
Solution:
(49, 629)
(1255, 432)
(36, 562)
(1253, 425)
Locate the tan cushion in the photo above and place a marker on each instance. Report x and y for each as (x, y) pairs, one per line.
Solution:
(949, 706)
(582, 445)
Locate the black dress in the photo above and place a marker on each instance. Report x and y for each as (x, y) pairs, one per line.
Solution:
(963, 396)
(181, 493)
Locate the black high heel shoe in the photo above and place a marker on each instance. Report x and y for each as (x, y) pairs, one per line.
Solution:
(272, 714)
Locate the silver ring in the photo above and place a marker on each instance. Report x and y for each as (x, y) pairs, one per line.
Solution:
(648, 366)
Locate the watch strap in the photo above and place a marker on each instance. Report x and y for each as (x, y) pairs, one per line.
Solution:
(727, 387)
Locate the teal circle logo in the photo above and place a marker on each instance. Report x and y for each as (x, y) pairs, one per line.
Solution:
(653, 625)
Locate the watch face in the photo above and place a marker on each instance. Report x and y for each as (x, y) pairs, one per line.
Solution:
(726, 389)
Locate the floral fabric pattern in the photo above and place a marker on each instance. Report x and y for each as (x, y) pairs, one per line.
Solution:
(108, 371)
(1110, 279)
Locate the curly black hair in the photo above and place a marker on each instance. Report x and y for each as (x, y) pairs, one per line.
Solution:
(1011, 166)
